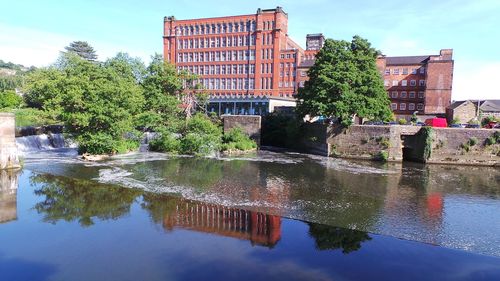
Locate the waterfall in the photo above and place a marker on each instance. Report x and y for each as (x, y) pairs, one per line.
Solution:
(41, 142)
(148, 136)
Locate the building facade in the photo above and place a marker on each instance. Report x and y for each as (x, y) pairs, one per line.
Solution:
(421, 84)
(246, 63)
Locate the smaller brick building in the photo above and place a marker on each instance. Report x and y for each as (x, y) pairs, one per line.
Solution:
(421, 84)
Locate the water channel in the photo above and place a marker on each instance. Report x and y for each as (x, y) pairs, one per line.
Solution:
(270, 215)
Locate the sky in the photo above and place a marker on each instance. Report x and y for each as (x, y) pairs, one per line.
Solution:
(34, 32)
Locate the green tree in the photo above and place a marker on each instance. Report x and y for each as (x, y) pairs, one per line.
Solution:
(9, 99)
(82, 49)
(344, 82)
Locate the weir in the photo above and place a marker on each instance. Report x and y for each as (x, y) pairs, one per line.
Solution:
(8, 151)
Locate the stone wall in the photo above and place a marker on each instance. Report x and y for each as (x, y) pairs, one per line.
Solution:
(8, 149)
(398, 143)
(449, 146)
(250, 124)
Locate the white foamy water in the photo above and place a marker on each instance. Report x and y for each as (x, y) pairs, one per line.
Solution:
(37, 143)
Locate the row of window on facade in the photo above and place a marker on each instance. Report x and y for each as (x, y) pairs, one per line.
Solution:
(230, 69)
(404, 71)
(403, 95)
(286, 84)
(411, 106)
(228, 83)
(288, 56)
(217, 42)
(241, 55)
(240, 108)
(404, 83)
(218, 28)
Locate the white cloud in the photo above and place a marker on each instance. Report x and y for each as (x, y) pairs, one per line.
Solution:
(476, 80)
(39, 48)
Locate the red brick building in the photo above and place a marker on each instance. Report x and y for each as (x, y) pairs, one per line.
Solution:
(421, 84)
(247, 63)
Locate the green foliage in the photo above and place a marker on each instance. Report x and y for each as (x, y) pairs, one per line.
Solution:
(402, 121)
(166, 142)
(488, 119)
(472, 141)
(102, 143)
(281, 130)
(493, 139)
(82, 49)
(427, 135)
(11, 82)
(455, 120)
(383, 141)
(32, 117)
(414, 118)
(381, 156)
(236, 139)
(90, 98)
(344, 82)
(9, 99)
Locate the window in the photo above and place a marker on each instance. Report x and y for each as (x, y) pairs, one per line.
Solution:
(422, 70)
(412, 95)
(394, 82)
(405, 71)
(413, 83)
(404, 83)
(421, 95)
(395, 71)
(386, 82)
(421, 82)
(402, 106)
(403, 94)
(394, 106)
(411, 106)
(414, 71)
(394, 95)
(387, 71)
(420, 106)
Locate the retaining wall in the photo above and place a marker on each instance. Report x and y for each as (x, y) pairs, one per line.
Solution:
(250, 124)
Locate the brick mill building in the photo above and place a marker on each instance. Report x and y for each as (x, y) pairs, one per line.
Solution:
(421, 84)
(249, 65)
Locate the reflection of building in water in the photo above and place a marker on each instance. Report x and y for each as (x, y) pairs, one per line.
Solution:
(8, 195)
(259, 228)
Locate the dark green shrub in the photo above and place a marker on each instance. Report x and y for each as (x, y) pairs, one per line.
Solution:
(237, 139)
(100, 143)
(381, 156)
(165, 142)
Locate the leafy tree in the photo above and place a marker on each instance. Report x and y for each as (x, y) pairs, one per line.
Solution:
(344, 82)
(82, 49)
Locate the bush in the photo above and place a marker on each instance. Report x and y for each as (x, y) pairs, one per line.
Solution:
(200, 144)
(237, 139)
(100, 143)
(382, 156)
(493, 139)
(472, 141)
(402, 121)
(166, 142)
(9, 99)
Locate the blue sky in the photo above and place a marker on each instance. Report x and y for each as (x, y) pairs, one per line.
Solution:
(33, 32)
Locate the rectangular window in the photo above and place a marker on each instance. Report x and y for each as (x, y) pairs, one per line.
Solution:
(394, 95)
(405, 71)
(412, 95)
(395, 71)
(421, 82)
(413, 83)
(411, 106)
(303, 73)
(387, 71)
(404, 83)
(420, 106)
(422, 70)
(394, 106)
(402, 106)
(421, 95)
(395, 82)
(414, 71)
(403, 94)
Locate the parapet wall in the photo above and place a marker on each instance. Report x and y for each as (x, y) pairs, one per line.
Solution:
(8, 149)
(250, 124)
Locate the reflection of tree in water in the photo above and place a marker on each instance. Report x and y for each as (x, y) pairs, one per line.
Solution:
(332, 238)
(72, 199)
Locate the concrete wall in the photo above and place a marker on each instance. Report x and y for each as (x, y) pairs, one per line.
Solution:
(8, 150)
(250, 124)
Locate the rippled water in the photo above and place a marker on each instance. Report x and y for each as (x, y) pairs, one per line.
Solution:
(455, 207)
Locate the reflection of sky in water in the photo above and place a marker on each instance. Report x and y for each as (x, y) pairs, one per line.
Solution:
(443, 205)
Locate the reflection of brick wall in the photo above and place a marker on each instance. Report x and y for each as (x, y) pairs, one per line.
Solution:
(259, 228)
